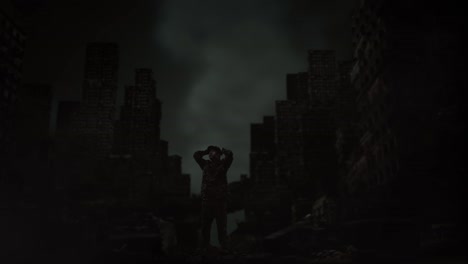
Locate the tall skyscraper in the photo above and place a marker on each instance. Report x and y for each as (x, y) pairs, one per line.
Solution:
(139, 124)
(304, 125)
(304, 135)
(94, 123)
(138, 138)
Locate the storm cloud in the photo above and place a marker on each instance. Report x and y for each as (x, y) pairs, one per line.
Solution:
(244, 50)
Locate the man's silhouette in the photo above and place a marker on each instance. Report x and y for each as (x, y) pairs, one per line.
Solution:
(214, 192)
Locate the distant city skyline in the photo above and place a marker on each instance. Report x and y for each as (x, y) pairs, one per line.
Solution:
(197, 66)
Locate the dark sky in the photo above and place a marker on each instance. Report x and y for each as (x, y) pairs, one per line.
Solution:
(219, 65)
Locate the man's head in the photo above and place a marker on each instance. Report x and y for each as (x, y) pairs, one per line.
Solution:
(215, 153)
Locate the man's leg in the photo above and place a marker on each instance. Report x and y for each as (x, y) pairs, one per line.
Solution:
(221, 223)
(207, 218)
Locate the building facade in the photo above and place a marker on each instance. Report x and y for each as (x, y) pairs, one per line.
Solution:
(405, 89)
(140, 116)
(94, 125)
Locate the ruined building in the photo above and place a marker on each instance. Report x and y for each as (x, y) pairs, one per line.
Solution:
(406, 165)
(294, 151)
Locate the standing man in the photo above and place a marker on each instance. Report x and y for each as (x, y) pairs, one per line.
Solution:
(214, 192)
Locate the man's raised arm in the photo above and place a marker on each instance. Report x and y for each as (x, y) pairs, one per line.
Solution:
(228, 157)
(198, 156)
